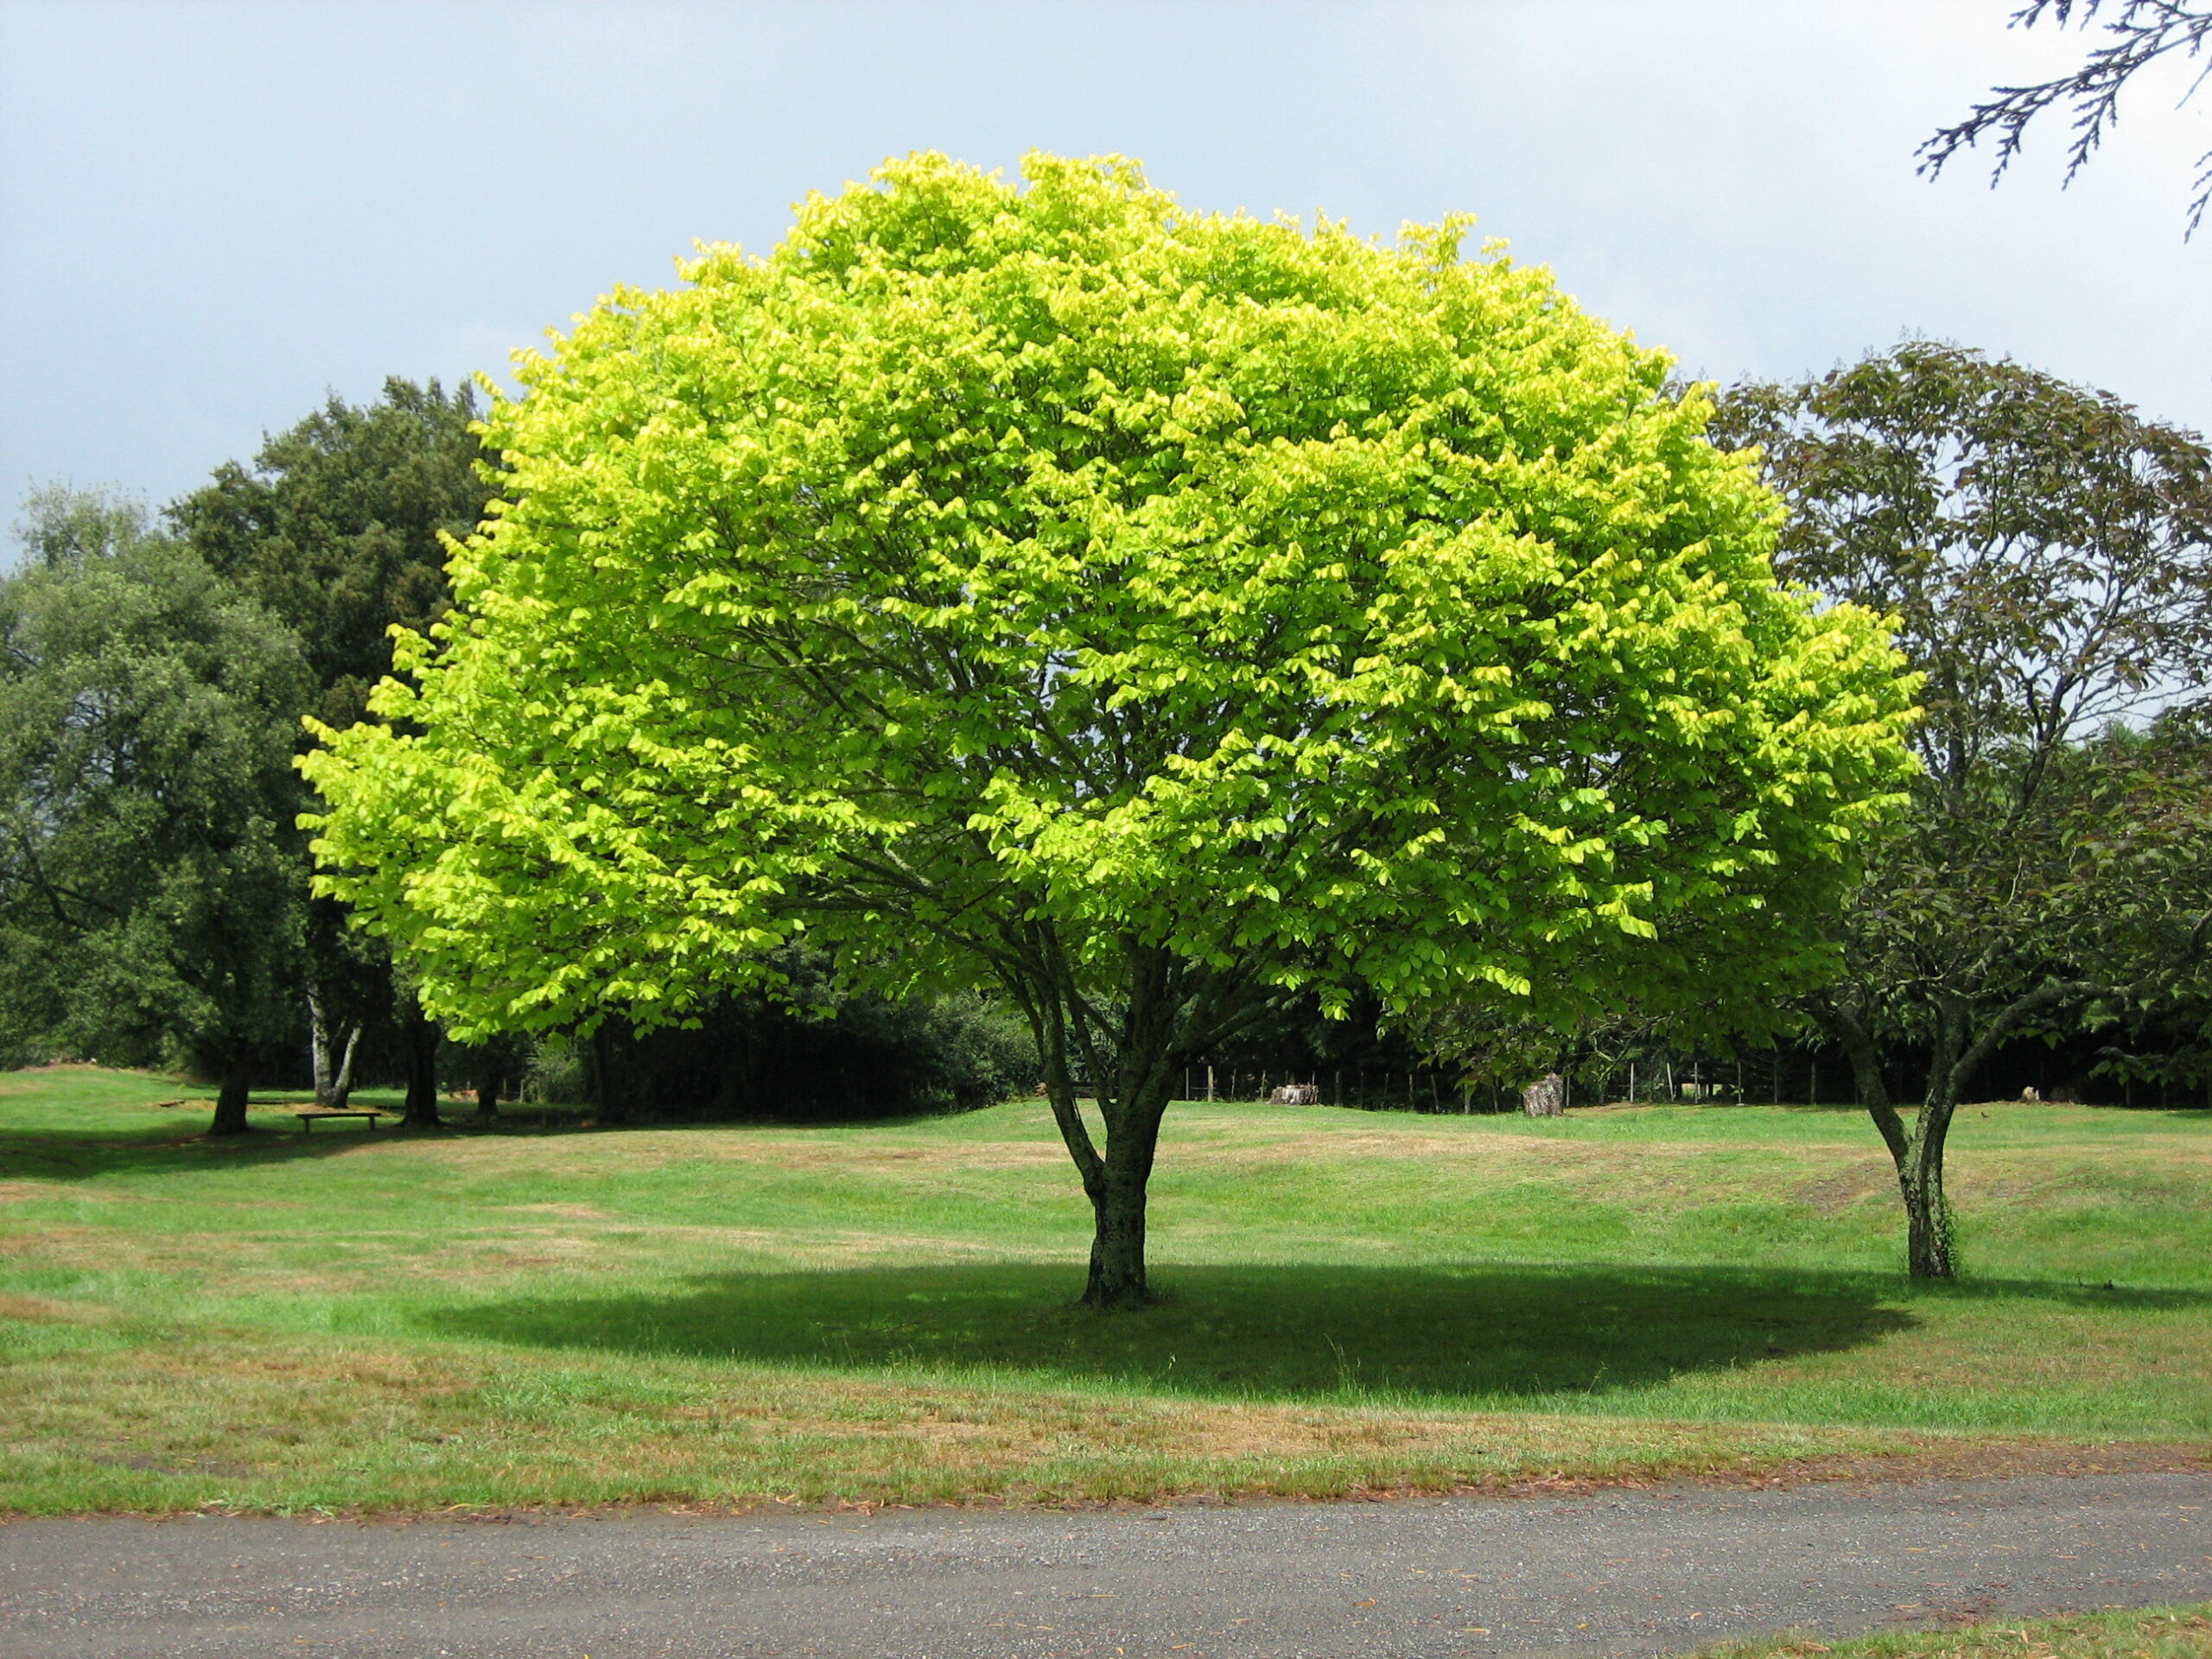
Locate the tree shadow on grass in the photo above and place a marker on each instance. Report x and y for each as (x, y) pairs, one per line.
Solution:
(1329, 1332)
(178, 1143)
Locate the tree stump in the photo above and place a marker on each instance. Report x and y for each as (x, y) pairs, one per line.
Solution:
(1546, 1097)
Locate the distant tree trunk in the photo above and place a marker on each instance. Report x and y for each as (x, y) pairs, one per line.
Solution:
(1546, 1097)
(420, 1033)
(341, 1086)
(612, 1104)
(318, 1047)
(230, 1100)
(490, 1078)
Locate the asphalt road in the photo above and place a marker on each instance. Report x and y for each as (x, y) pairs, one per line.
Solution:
(1654, 1572)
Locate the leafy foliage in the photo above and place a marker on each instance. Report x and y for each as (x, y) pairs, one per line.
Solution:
(150, 876)
(1156, 614)
(338, 528)
(2048, 555)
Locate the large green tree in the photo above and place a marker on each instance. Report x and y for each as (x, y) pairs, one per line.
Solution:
(2047, 553)
(1154, 613)
(339, 527)
(151, 873)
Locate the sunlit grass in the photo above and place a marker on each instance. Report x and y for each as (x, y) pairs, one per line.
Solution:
(872, 1312)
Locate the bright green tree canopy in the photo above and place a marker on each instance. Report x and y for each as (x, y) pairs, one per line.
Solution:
(1152, 611)
(993, 580)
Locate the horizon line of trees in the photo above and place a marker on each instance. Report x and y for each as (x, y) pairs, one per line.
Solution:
(155, 887)
(2042, 548)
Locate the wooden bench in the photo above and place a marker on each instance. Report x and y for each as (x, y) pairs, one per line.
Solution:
(307, 1119)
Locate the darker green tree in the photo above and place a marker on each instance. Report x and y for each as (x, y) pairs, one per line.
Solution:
(2047, 554)
(338, 528)
(151, 877)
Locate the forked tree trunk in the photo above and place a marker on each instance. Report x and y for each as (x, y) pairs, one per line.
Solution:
(1117, 1203)
(1916, 1149)
(1114, 1179)
(230, 1099)
(1165, 1013)
(1960, 1044)
(332, 1084)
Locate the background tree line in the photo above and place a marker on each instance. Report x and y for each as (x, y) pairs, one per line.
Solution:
(154, 906)
(2042, 548)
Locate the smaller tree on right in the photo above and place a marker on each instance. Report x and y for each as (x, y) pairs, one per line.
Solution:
(2046, 554)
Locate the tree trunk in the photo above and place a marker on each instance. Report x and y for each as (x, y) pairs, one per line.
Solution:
(1956, 1052)
(1928, 1218)
(1546, 1097)
(612, 1104)
(1916, 1149)
(1132, 1098)
(420, 1033)
(318, 1047)
(230, 1100)
(341, 1087)
(1117, 1276)
(488, 1082)
(1163, 1014)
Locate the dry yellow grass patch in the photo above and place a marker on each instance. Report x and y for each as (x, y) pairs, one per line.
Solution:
(363, 1425)
(44, 1310)
(187, 1423)
(61, 1192)
(568, 1157)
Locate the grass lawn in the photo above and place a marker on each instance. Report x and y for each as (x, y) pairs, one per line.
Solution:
(883, 1313)
(2167, 1633)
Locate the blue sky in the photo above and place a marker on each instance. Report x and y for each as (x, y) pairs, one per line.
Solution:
(211, 214)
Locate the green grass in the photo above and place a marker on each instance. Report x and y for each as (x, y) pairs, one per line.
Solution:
(884, 1312)
(2160, 1633)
